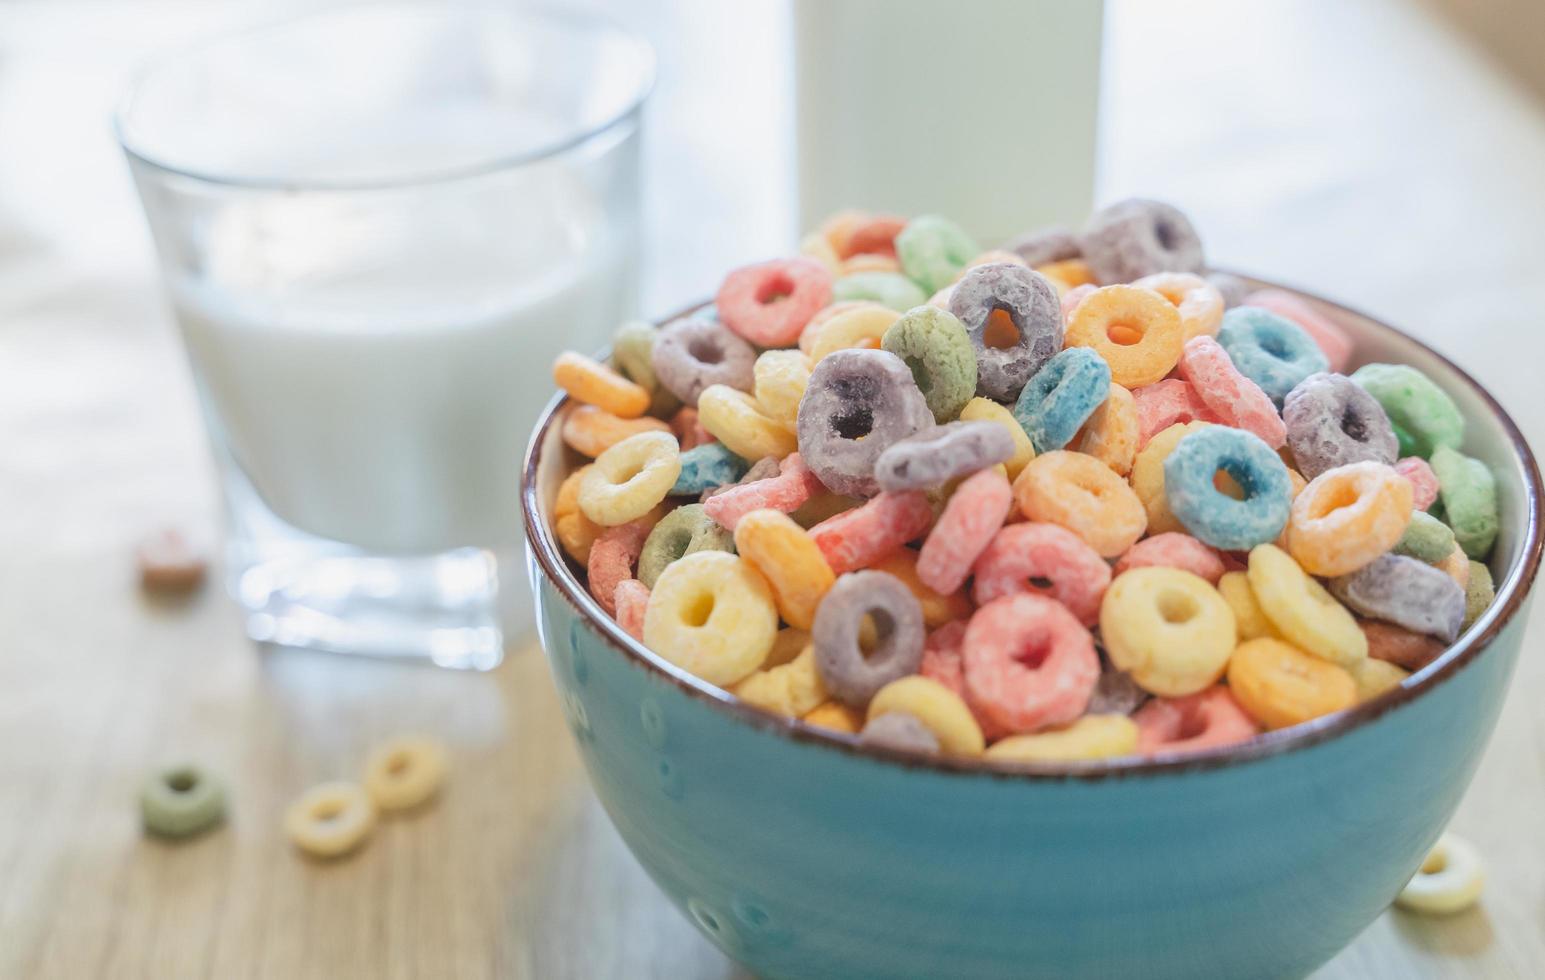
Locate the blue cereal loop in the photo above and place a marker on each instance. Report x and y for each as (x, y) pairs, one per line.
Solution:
(707, 466)
(1211, 515)
(1059, 398)
(1270, 350)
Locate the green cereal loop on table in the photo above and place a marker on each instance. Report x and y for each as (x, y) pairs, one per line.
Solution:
(180, 801)
(934, 250)
(1479, 592)
(1426, 539)
(936, 348)
(1469, 495)
(682, 532)
(886, 288)
(1424, 416)
(632, 356)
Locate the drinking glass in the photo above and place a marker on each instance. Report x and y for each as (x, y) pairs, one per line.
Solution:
(376, 227)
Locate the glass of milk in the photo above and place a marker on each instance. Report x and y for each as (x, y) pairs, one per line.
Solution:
(377, 227)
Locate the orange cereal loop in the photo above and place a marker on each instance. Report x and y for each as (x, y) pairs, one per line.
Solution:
(1198, 301)
(836, 716)
(1136, 331)
(1148, 476)
(1083, 495)
(1348, 516)
(875, 235)
(938, 608)
(1110, 434)
(596, 384)
(838, 230)
(575, 531)
(790, 561)
(592, 431)
(1069, 273)
(1279, 685)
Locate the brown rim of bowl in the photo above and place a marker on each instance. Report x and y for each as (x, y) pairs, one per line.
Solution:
(1512, 594)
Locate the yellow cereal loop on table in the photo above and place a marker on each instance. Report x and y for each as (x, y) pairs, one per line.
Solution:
(330, 820)
(1304, 613)
(1279, 685)
(781, 376)
(1450, 879)
(981, 409)
(1090, 737)
(939, 709)
(788, 644)
(575, 531)
(630, 478)
(792, 689)
(1148, 476)
(862, 326)
(735, 419)
(1249, 619)
(789, 560)
(837, 717)
(938, 609)
(1374, 677)
(711, 614)
(404, 772)
(1167, 628)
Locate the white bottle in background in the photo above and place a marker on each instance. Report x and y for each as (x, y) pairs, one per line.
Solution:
(980, 110)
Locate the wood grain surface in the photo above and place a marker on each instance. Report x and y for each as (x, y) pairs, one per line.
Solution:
(1358, 149)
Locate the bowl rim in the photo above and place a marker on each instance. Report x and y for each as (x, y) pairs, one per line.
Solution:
(1513, 594)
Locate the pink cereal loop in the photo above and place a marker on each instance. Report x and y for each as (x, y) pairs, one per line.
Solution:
(612, 558)
(860, 537)
(1229, 395)
(1028, 663)
(973, 515)
(790, 490)
(1204, 720)
(1162, 405)
(1424, 482)
(1174, 550)
(1073, 297)
(942, 663)
(1331, 339)
(630, 599)
(1032, 550)
(769, 303)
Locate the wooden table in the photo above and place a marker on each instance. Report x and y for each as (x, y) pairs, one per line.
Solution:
(1351, 147)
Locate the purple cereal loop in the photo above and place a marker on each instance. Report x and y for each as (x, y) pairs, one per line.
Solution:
(856, 404)
(1409, 593)
(693, 353)
(850, 675)
(1051, 244)
(1115, 693)
(1232, 288)
(1031, 302)
(1137, 237)
(935, 456)
(1331, 421)
(899, 730)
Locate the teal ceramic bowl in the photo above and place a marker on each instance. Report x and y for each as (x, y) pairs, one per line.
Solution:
(804, 856)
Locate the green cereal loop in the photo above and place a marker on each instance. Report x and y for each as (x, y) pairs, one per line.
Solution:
(1426, 539)
(683, 531)
(935, 346)
(1478, 592)
(934, 250)
(886, 288)
(1424, 416)
(632, 356)
(1469, 495)
(180, 801)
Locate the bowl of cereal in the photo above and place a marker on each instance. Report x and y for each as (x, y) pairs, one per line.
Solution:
(1065, 610)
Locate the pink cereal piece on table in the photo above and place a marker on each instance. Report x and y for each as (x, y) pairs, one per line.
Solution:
(1165, 403)
(1229, 395)
(689, 432)
(612, 558)
(1424, 482)
(862, 536)
(630, 599)
(942, 663)
(790, 490)
(1204, 720)
(1073, 297)
(973, 515)
(1020, 553)
(1029, 663)
(1174, 550)
(1332, 341)
(769, 303)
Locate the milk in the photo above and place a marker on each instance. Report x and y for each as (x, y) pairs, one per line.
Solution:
(375, 372)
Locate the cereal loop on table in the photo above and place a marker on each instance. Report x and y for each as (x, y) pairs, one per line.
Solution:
(711, 614)
(330, 820)
(404, 772)
(181, 801)
(1450, 879)
(1083, 495)
(1136, 331)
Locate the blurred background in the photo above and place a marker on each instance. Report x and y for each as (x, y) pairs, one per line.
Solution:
(1384, 153)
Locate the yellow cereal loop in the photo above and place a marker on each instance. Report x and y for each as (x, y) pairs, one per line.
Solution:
(1374, 677)
(781, 376)
(792, 689)
(629, 479)
(575, 531)
(789, 560)
(1068, 273)
(986, 410)
(1250, 621)
(711, 614)
(330, 820)
(404, 772)
(788, 644)
(1304, 613)
(837, 717)
(939, 709)
(1279, 685)
(1449, 881)
(858, 327)
(596, 384)
(1090, 737)
(1148, 476)
(735, 419)
(937, 609)
(817, 247)
(868, 262)
(1169, 629)
(1111, 433)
